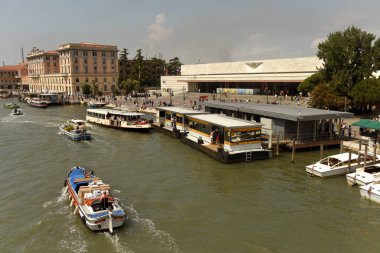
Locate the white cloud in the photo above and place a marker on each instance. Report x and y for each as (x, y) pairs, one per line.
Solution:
(158, 31)
(251, 48)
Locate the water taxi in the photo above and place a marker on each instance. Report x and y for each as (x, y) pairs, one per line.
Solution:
(364, 175)
(74, 133)
(92, 200)
(118, 119)
(37, 102)
(11, 105)
(5, 94)
(339, 164)
(77, 123)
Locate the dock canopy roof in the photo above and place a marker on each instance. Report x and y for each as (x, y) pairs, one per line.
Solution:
(367, 124)
(179, 110)
(292, 113)
(224, 121)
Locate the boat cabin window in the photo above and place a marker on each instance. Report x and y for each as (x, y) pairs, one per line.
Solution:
(162, 114)
(246, 136)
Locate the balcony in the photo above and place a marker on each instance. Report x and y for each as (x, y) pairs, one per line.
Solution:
(34, 75)
(65, 74)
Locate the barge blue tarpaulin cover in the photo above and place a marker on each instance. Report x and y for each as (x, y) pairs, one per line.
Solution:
(367, 124)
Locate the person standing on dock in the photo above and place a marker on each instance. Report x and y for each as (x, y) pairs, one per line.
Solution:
(349, 131)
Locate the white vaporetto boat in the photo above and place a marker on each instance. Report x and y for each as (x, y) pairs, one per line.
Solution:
(118, 119)
(364, 175)
(92, 200)
(339, 164)
(371, 191)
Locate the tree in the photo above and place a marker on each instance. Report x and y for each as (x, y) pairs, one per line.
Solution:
(174, 67)
(86, 89)
(324, 97)
(348, 57)
(123, 56)
(309, 83)
(365, 94)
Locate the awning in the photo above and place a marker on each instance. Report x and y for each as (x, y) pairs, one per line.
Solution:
(367, 124)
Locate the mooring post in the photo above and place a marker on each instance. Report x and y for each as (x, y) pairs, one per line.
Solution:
(365, 154)
(277, 145)
(321, 151)
(360, 145)
(349, 160)
(293, 149)
(374, 152)
(341, 146)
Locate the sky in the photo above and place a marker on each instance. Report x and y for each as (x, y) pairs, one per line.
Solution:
(196, 31)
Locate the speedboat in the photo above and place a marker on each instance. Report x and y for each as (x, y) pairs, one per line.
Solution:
(93, 201)
(364, 175)
(11, 105)
(17, 111)
(339, 164)
(75, 134)
(371, 191)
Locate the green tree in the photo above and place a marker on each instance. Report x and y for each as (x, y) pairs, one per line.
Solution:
(365, 94)
(349, 58)
(138, 66)
(123, 56)
(309, 83)
(174, 67)
(131, 86)
(324, 97)
(86, 89)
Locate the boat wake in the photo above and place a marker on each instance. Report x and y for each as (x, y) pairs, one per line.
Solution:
(115, 240)
(58, 200)
(166, 241)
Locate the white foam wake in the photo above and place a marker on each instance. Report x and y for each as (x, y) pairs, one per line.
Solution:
(115, 240)
(167, 242)
(58, 200)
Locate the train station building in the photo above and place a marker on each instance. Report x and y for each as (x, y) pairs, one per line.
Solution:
(245, 77)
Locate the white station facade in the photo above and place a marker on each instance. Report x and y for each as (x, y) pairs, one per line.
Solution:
(245, 77)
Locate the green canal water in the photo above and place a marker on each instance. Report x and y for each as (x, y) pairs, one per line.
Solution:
(177, 199)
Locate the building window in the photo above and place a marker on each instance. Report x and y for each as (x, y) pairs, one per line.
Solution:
(112, 54)
(105, 87)
(78, 89)
(86, 80)
(104, 54)
(77, 80)
(95, 69)
(76, 69)
(47, 58)
(112, 61)
(85, 61)
(105, 79)
(104, 69)
(113, 79)
(76, 60)
(94, 53)
(76, 52)
(85, 69)
(85, 53)
(96, 79)
(104, 61)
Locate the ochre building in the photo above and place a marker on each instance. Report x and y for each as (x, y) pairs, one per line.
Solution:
(67, 69)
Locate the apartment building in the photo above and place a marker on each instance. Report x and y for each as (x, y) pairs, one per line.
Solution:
(13, 77)
(67, 69)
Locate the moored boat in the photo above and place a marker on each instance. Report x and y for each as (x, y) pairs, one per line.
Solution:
(96, 104)
(39, 103)
(118, 119)
(364, 175)
(17, 111)
(75, 134)
(5, 94)
(371, 192)
(92, 200)
(339, 164)
(11, 105)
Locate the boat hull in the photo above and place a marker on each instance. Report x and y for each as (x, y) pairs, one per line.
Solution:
(316, 171)
(83, 136)
(137, 128)
(95, 221)
(370, 192)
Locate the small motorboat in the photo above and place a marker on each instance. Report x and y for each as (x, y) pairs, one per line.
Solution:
(11, 105)
(96, 104)
(371, 191)
(364, 175)
(17, 111)
(93, 201)
(339, 164)
(77, 123)
(74, 133)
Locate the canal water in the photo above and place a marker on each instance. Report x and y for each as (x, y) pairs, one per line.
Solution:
(177, 199)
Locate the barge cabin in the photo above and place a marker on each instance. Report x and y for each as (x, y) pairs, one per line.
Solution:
(226, 139)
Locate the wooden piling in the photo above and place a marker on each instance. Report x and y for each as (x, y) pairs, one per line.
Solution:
(374, 152)
(293, 149)
(321, 151)
(277, 145)
(341, 147)
(349, 160)
(365, 155)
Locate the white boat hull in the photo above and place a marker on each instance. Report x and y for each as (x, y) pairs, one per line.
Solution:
(371, 192)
